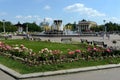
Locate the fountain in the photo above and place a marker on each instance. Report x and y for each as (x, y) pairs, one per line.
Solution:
(55, 30)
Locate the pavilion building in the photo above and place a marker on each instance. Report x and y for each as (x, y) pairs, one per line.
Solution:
(85, 25)
(21, 27)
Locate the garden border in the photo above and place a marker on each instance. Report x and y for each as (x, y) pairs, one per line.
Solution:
(17, 75)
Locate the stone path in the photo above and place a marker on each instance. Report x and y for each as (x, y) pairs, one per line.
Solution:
(77, 39)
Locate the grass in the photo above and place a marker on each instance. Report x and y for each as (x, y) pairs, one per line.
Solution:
(38, 45)
(24, 69)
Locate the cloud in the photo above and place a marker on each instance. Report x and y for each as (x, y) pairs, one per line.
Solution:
(48, 19)
(83, 10)
(18, 16)
(47, 7)
(31, 18)
(27, 17)
(24, 17)
(35, 17)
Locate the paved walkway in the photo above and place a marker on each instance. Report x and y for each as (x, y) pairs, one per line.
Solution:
(77, 39)
(4, 76)
(107, 74)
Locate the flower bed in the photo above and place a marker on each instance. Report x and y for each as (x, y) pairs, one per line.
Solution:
(46, 56)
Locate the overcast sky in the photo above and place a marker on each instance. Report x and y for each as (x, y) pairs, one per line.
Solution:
(66, 10)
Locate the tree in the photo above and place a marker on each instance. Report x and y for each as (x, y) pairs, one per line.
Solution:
(71, 26)
(9, 27)
(110, 27)
(32, 27)
(74, 26)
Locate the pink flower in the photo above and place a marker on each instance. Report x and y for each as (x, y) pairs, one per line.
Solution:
(8, 47)
(1, 43)
(95, 49)
(108, 50)
(78, 51)
(56, 51)
(89, 49)
(71, 52)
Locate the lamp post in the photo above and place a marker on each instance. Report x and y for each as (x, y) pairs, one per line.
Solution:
(4, 26)
(105, 26)
(27, 28)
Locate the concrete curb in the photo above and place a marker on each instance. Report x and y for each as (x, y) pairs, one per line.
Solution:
(50, 73)
(9, 71)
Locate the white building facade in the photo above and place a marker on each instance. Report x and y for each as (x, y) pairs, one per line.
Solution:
(85, 25)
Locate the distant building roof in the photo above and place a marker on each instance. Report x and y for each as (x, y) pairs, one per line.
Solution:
(19, 25)
(86, 22)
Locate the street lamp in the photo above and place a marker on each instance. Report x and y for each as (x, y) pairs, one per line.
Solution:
(105, 26)
(3, 25)
(27, 28)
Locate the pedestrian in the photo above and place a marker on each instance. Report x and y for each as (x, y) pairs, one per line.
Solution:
(108, 35)
(102, 34)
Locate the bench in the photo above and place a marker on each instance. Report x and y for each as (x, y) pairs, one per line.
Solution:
(83, 41)
(100, 43)
(27, 38)
(32, 38)
(86, 41)
(66, 40)
(36, 39)
(89, 42)
(5, 37)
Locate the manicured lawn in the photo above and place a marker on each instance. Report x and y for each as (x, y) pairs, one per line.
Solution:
(24, 68)
(38, 45)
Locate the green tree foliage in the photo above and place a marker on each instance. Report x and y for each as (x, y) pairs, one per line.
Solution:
(1, 26)
(110, 27)
(73, 26)
(32, 27)
(9, 27)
